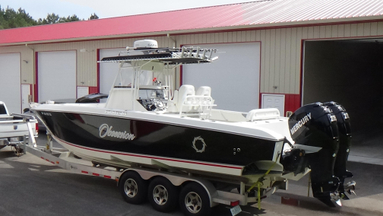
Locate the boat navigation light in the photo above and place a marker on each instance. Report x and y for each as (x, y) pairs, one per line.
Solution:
(234, 203)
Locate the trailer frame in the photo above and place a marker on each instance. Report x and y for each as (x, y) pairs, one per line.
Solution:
(66, 160)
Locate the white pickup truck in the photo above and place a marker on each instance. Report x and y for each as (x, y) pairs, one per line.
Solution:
(14, 128)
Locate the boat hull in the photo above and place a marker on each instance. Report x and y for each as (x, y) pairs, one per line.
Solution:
(144, 142)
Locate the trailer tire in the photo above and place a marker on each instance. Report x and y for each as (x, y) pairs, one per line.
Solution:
(194, 200)
(162, 194)
(133, 188)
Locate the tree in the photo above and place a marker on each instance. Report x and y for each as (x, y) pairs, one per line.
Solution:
(50, 19)
(69, 19)
(10, 18)
(25, 16)
(93, 16)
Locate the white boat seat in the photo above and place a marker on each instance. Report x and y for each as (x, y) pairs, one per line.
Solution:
(198, 103)
(203, 98)
(203, 91)
(185, 94)
(187, 101)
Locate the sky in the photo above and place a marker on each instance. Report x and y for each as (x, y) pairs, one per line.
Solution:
(106, 8)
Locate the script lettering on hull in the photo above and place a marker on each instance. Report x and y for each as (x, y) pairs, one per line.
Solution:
(106, 131)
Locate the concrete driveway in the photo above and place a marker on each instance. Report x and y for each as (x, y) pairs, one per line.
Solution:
(31, 186)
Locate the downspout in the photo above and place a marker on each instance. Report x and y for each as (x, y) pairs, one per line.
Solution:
(172, 39)
(176, 71)
(32, 82)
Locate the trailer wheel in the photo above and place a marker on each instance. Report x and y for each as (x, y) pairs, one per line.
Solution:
(194, 200)
(163, 195)
(133, 188)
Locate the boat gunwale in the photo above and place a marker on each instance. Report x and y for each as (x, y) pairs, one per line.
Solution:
(161, 122)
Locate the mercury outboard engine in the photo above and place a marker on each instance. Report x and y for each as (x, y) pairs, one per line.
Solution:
(315, 125)
(344, 128)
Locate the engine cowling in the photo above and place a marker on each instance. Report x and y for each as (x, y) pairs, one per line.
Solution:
(344, 127)
(316, 125)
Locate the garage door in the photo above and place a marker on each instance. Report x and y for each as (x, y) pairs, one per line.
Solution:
(234, 77)
(108, 71)
(10, 81)
(56, 75)
(350, 73)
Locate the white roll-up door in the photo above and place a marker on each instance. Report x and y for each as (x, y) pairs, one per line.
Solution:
(56, 75)
(10, 81)
(234, 77)
(108, 71)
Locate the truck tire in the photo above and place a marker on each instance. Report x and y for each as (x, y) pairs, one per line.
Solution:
(162, 194)
(133, 188)
(194, 200)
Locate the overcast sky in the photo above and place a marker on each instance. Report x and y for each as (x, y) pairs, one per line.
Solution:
(105, 8)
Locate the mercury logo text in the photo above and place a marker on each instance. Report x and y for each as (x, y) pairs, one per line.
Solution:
(300, 123)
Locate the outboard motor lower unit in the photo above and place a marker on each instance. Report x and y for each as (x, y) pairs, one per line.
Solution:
(344, 127)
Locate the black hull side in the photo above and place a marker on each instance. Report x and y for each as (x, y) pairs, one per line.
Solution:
(149, 138)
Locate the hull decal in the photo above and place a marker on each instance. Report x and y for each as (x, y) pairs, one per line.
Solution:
(106, 130)
(139, 137)
(195, 144)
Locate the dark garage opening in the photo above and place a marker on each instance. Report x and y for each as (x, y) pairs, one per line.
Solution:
(349, 72)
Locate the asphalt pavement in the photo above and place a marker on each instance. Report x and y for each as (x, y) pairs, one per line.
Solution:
(31, 186)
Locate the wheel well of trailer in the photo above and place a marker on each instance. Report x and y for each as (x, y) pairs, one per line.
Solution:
(124, 172)
(206, 185)
(186, 182)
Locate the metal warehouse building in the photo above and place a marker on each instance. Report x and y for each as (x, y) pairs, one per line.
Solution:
(277, 53)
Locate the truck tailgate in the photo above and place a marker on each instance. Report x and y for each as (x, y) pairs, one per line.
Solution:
(12, 128)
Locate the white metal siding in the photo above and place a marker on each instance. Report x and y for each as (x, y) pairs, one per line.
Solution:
(10, 81)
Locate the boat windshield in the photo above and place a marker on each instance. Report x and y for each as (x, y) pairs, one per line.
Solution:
(145, 83)
(125, 78)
